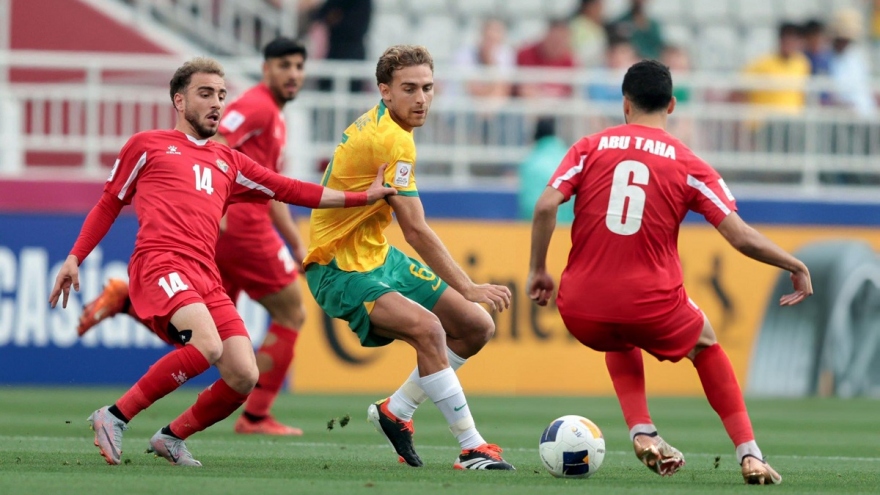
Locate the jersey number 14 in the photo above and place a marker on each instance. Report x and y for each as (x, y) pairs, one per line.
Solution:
(624, 215)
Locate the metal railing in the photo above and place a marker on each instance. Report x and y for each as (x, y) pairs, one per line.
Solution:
(466, 140)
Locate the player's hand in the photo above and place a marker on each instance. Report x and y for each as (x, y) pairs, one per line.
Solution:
(67, 276)
(803, 288)
(540, 287)
(496, 296)
(377, 189)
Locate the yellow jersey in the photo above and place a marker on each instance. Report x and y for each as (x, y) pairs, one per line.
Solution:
(354, 236)
(796, 69)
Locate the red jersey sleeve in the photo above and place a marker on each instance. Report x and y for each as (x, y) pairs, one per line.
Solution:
(240, 123)
(570, 173)
(122, 182)
(710, 196)
(257, 184)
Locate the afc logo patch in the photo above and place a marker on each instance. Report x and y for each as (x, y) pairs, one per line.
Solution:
(402, 173)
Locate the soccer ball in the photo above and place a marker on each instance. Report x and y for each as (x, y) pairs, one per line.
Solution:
(572, 447)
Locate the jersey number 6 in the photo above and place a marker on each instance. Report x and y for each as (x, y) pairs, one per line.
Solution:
(624, 216)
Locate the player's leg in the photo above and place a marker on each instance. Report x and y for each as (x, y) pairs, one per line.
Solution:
(200, 346)
(112, 300)
(626, 369)
(396, 317)
(238, 375)
(726, 398)
(468, 328)
(274, 358)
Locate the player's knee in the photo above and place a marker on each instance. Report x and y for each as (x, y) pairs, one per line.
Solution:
(293, 316)
(429, 334)
(243, 379)
(479, 328)
(211, 348)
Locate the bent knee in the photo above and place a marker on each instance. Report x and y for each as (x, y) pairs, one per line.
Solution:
(212, 349)
(243, 380)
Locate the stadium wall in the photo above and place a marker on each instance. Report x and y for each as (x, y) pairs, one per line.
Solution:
(531, 354)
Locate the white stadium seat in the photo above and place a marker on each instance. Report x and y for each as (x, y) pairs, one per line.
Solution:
(759, 41)
(520, 9)
(560, 8)
(668, 10)
(706, 11)
(526, 31)
(718, 48)
(752, 12)
(681, 35)
(478, 8)
(439, 34)
(387, 30)
(386, 6)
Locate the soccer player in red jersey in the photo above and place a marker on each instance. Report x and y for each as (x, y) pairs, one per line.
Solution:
(622, 288)
(183, 183)
(250, 253)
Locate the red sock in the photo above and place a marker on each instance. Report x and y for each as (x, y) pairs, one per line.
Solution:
(722, 390)
(628, 375)
(278, 346)
(165, 376)
(214, 404)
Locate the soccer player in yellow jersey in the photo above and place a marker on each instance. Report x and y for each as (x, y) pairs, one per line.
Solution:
(357, 276)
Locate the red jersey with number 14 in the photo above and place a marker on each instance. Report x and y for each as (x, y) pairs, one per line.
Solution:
(633, 186)
(182, 187)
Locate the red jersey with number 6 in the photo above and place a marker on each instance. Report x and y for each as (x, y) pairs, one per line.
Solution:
(633, 186)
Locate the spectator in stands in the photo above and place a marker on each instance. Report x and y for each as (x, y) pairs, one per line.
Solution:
(816, 47)
(620, 55)
(788, 63)
(643, 32)
(588, 33)
(492, 53)
(547, 152)
(553, 50)
(347, 23)
(850, 67)
(679, 63)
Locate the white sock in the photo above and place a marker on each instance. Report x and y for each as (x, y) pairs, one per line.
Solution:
(748, 448)
(644, 428)
(410, 395)
(445, 390)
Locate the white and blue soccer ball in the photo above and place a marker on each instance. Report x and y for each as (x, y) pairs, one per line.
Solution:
(572, 447)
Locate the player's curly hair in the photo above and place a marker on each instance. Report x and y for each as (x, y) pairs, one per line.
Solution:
(399, 56)
(184, 73)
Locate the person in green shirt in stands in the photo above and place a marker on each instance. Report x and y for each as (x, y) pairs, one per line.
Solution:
(537, 168)
(642, 31)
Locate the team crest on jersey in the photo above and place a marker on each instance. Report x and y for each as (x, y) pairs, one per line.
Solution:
(172, 150)
(222, 166)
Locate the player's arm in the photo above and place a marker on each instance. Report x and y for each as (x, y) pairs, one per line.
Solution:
(97, 224)
(411, 217)
(540, 284)
(755, 245)
(283, 220)
(257, 184)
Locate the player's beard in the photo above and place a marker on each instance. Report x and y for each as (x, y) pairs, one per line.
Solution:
(193, 118)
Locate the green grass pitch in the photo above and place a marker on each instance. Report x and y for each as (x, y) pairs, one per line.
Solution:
(818, 445)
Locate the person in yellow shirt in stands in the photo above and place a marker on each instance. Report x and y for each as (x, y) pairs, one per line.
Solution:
(789, 70)
(788, 62)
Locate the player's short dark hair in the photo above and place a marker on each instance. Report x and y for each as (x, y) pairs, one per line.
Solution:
(199, 65)
(400, 56)
(790, 29)
(648, 85)
(282, 47)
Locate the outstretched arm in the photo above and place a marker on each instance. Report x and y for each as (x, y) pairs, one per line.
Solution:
(540, 284)
(755, 245)
(95, 227)
(411, 217)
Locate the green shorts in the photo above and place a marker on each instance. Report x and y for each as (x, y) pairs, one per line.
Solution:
(348, 295)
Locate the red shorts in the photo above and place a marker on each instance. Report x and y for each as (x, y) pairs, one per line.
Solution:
(161, 283)
(260, 266)
(668, 338)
